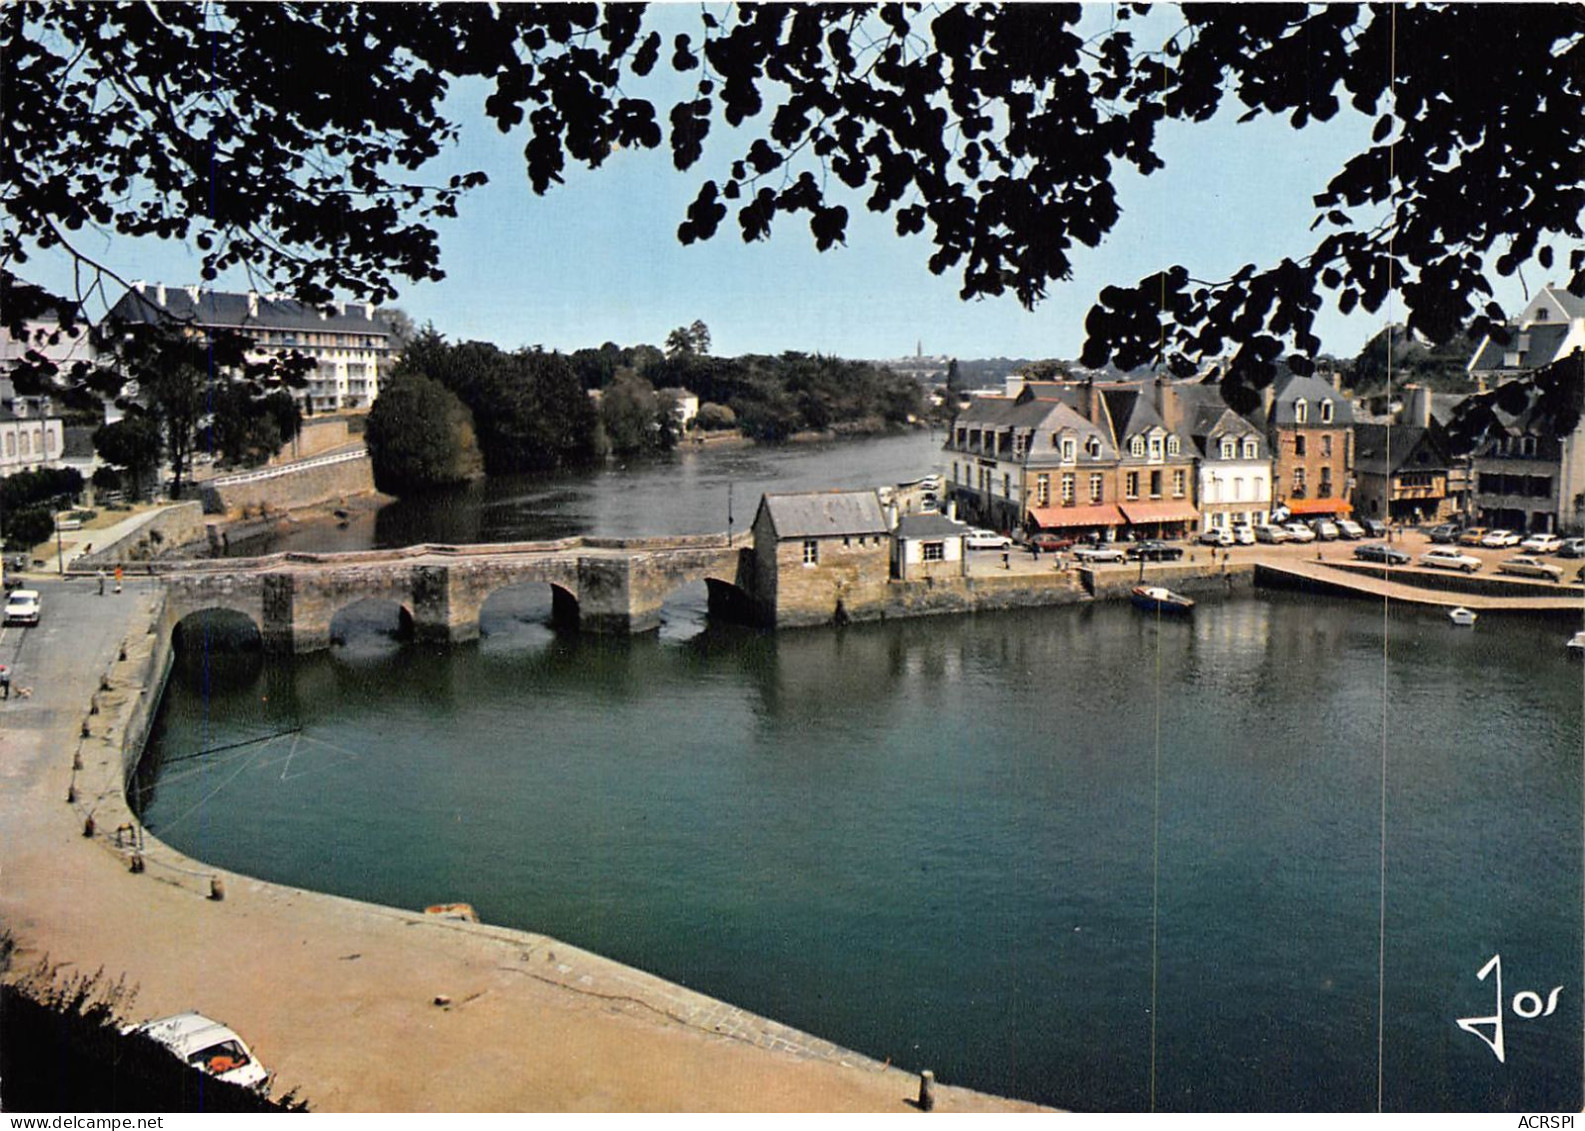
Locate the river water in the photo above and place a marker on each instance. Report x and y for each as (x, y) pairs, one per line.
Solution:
(1074, 855)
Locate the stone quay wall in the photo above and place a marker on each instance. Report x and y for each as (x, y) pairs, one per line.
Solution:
(181, 524)
(291, 486)
(1450, 581)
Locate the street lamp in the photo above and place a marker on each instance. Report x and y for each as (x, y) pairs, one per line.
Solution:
(60, 552)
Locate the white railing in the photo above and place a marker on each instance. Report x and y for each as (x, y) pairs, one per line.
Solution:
(283, 469)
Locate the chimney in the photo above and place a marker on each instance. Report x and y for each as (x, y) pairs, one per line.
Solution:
(253, 304)
(192, 293)
(1168, 404)
(1417, 406)
(1268, 399)
(1337, 380)
(159, 294)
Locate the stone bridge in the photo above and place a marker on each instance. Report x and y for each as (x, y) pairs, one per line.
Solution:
(603, 585)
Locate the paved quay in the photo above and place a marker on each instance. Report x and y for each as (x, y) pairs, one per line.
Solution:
(359, 1007)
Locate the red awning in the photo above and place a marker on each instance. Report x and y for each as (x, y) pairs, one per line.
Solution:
(1160, 512)
(1316, 506)
(1055, 518)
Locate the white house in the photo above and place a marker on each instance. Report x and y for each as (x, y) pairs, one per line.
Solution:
(1551, 327)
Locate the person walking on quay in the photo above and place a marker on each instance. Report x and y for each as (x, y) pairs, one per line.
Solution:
(5, 682)
(118, 579)
(101, 575)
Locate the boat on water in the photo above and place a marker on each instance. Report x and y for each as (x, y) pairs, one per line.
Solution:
(1155, 599)
(1462, 616)
(1576, 645)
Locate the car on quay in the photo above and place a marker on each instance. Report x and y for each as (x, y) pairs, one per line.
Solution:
(1471, 536)
(1154, 552)
(1098, 555)
(1499, 539)
(1572, 548)
(1244, 535)
(1380, 552)
(977, 539)
(210, 1047)
(1272, 533)
(1528, 566)
(1216, 536)
(1445, 533)
(1449, 559)
(1325, 529)
(1049, 543)
(1350, 530)
(1300, 532)
(1374, 527)
(1542, 544)
(23, 606)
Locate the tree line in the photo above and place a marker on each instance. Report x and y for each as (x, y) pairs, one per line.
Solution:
(453, 410)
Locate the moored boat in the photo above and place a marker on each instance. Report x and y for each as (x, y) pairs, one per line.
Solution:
(1155, 599)
(1576, 645)
(1462, 616)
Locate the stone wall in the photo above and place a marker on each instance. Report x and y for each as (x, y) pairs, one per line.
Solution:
(318, 435)
(309, 486)
(180, 524)
(854, 578)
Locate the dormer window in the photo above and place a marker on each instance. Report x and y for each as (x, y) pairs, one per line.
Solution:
(1155, 447)
(1136, 446)
(1228, 449)
(1172, 446)
(1069, 450)
(1301, 411)
(1250, 449)
(1092, 447)
(1326, 412)
(1527, 445)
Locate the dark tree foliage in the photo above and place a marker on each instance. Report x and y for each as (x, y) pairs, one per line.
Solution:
(248, 425)
(133, 443)
(529, 409)
(994, 131)
(1441, 367)
(27, 499)
(634, 419)
(27, 527)
(420, 436)
(1550, 402)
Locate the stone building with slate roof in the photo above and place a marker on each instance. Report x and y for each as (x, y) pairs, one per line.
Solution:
(927, 546)
(1404, 473)
(820, 557)
(350, 346)
(1308, 424)
(1550, 328)
(1233, 458)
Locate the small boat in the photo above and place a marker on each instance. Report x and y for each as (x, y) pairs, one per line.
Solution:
(1576, 645)
(462, 912)
(1462, 616)
(1155, 599)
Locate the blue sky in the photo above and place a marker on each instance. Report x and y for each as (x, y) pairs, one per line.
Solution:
(597, 259)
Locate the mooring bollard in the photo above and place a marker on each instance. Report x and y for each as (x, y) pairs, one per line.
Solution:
(927, 1095)
(71, 794)
(217, 888)
(88, 826)
(87, 731)
(137, 863)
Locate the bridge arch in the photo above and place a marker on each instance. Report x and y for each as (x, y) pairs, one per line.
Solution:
(377, 614)
(217, 628)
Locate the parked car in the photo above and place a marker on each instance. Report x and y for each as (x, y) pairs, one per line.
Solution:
(1526, 566)
(1325, 529)
(1049, 543)
(1272, 533)
(1449, 559)
(22, 606)
(977, 539)
(1374, 527)
(1154, 552)
(1542, 544)
(1499, 538)
(1244, 535)
(1572, 548)
(1472, 536)
(1379, 552)
(1347, 528)
(1300, 532)
(1445, 533)
(1097, 555)
(210, 1047)
(1216, 536)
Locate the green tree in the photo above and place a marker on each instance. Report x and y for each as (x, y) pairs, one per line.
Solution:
(630, 415)
(248, 426)
(420, 436)
(133, 444)
(688, 340)
(998, 132)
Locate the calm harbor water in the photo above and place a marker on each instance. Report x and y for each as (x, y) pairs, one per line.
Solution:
(1073, 855)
